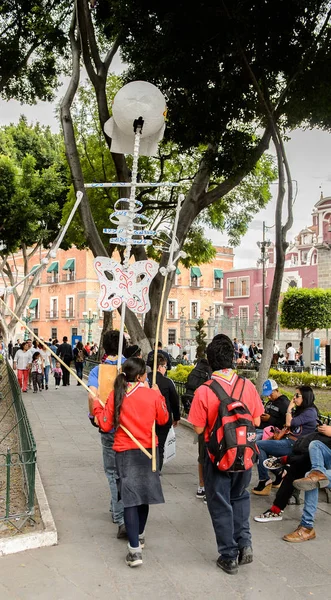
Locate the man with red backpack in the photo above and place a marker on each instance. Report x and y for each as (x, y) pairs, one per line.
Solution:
(227, 409)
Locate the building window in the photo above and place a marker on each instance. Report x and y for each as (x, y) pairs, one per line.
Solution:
(34, 308)
(243, 314)
(69, 268)
(218, 279)
(172, 336)
(195, 276)
(218, 310)
(74, 331)
(54, 333)
(35, 331)
(53, 273)
(53, 313)
(68, 313)
(232, 287)
(172, 312)
(194, 309)
(243, 286)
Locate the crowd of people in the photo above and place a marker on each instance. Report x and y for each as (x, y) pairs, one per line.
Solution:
(291, 446)
(276, 429)
(290, 359)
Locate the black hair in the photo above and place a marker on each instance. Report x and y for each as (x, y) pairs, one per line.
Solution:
(65, 339)
(131, 369)
(308, 399)
(159, 344)
(160, 360)
(132, 351)
(79, 345)
(35, 355)
(110, 342)
(220, 352)
(23, 344)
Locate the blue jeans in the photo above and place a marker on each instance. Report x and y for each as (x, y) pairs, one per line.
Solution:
(79, 369)
(259, 434)
(272, 448)
(109, 465)
(320, 458)
(46, 374)
(229, 506)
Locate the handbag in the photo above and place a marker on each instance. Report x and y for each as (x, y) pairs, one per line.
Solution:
(279, 435)
(268, 432)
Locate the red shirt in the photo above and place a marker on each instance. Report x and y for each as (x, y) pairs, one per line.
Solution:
(204, 407)
(141, 406)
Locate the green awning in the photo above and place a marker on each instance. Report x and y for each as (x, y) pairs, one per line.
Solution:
(218, 274)
(70, 265)
(33, 270)
(177, 271)
(53, 268)
(33, 303)
(195, 272)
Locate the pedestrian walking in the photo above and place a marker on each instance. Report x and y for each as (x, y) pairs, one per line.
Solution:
(226, 491)
(57, 373)
(46, 357)
(37, 372)
(64, 351)
(80, 354)
(22, 362)
(134, 407)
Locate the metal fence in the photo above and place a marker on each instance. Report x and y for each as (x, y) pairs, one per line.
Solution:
(18, 461)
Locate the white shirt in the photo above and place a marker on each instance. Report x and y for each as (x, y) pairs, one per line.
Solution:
(45, 356)
(22, 359)
(291, 353)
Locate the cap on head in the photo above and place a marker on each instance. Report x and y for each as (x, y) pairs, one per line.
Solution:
(269, 386)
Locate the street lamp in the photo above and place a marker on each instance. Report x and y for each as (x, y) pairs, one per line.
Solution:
(90, 318)
(263, 247)
(27, 319)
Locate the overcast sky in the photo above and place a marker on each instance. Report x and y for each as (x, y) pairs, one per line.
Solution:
(309, 154)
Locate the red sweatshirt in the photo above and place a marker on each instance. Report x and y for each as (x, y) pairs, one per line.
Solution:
(141, 406)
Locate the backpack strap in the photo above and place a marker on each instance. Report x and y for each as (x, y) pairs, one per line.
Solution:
(220, 392)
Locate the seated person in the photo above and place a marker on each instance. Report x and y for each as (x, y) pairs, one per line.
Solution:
(241, 360)
(296, 468)
(275, 409)
(301, 419)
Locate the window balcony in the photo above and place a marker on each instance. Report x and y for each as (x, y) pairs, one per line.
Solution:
(68, 314)
(69, 276)
(52, 314)
(54, 278)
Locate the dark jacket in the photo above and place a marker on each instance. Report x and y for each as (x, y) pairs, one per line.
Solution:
(64, 351)
(277, 411)
(150, 358)
(168, 390)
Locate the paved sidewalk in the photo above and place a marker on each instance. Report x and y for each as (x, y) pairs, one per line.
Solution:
(180, 553)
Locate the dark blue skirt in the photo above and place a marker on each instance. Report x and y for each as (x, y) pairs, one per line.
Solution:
(137, 483)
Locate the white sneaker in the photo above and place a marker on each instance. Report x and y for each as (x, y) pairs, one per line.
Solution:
(269, 516)
(56, 387)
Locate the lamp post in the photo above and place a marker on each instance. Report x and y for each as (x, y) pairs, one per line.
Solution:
(263, 247)
(27, 319)
(90, 318)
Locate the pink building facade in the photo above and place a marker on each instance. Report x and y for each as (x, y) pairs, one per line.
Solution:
(308, 265)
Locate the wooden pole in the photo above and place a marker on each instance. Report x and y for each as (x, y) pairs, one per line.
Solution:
(51, 351)
(153, 448)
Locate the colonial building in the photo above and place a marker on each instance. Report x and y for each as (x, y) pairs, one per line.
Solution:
(308, 265)
(65, 300)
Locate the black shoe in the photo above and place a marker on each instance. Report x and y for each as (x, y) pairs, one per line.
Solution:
(46, 387)
(229, 566)
(245, 555)
(121, 534)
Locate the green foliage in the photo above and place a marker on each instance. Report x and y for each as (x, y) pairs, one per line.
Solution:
(200, 339)
(295, 379)
(32, 40)
(180, 373)
(306, 309)
(33, 185)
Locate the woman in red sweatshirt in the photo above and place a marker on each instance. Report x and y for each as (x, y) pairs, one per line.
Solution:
(134, 406)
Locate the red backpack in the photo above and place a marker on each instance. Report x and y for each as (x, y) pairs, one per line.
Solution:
(232, 446)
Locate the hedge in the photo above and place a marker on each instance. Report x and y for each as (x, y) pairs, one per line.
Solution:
(180, 374)
(295, 379)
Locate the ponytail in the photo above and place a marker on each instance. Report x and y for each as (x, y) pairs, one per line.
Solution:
(120, 387)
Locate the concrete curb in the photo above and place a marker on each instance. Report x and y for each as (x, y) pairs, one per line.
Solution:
(38, 539)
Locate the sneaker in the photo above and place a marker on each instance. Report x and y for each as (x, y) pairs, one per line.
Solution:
(205, 499)
(273, 463)
(268, 516)
(263, 488)
(245, 556)
(200, 492)
(134, 559)
(121, 534)
(56, 387)
(229, 566)
(46, 386)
